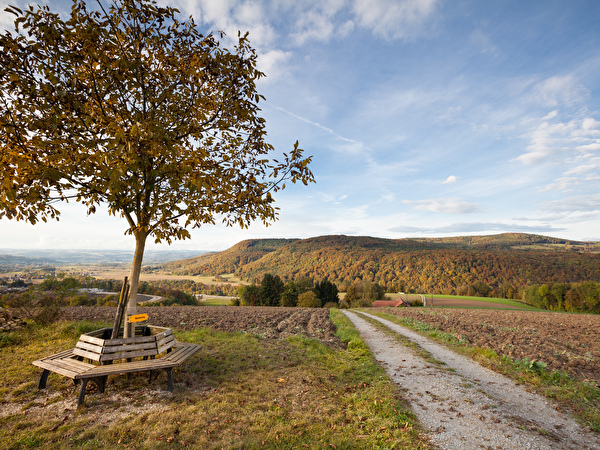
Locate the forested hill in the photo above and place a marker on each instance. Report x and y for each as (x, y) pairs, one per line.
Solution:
(230, 260)
(445, 265)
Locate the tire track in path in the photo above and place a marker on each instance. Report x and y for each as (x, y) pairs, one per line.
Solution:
(464, 405)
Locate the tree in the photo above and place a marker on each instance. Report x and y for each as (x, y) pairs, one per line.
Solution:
(249, 295)
(308, 299)
(271, 288)
(289, 296)
(130, 108)
(327, 292)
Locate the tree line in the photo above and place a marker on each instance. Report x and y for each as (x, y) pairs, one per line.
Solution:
(272, 291)
(572, 297)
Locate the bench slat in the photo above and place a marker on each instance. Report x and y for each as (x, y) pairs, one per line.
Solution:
(164, 334)
(165, 347)
(126, 355)
(129, 348)
(64, 354)
(57, 367)
(92, 339)
(182, 353)
(164, 339)
(89, 347)
(131, 340)
(89, 355)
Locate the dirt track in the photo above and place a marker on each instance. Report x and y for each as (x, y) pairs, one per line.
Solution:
(465, 406)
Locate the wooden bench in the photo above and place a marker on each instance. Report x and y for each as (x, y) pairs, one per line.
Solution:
(102, 357)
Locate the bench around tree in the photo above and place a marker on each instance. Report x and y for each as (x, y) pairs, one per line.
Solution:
(95, 357)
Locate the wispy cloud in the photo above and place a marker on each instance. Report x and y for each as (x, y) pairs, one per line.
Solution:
(548, 139)
(394, 19)
(560, 91)
(478, 227)
(351, 146)
(445, 205)
(588, 204)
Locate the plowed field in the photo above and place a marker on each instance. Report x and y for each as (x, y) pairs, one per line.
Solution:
(266, 322)
(569, 342)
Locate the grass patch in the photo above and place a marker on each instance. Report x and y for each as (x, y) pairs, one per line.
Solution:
(240, 391)
(502, 301)
(580, 397)
(215, 301)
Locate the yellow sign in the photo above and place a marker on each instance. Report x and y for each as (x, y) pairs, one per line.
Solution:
(138, 318)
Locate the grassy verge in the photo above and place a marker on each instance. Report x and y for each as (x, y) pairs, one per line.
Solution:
(215, 301)
(240, 391)
(580, 397)
(502, 301)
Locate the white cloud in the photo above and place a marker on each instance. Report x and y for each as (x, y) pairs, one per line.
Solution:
(273, 63)
(477, 227)
(445, 205)
(548, 140)
(559, 90)
(580, 170)
(394, 19)
(313, 26)
(586, 204)
(7, 20)
(452, 179)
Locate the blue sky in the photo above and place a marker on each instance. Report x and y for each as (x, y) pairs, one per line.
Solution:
(424, 118)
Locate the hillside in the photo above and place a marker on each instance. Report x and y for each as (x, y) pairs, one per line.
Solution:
(230, 260)
(445, 265)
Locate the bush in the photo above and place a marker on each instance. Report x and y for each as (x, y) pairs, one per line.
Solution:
(80, 300)
(308, 300)
(41, 307)
(362, 303)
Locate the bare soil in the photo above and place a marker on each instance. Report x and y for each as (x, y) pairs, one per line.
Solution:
(268, 322)
(569, 342)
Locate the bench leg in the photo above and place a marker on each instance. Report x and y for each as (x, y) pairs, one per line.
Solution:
(100, 382)
(43, 379)
(81, 398)
(170, 379)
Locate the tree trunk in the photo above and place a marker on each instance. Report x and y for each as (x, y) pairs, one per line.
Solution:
(134, 278)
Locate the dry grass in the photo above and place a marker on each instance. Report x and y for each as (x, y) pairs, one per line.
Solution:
(240, 391)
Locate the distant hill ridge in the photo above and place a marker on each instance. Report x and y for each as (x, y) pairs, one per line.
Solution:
(430, 264)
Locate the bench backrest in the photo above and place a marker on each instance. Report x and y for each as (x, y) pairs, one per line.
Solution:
(98, 347)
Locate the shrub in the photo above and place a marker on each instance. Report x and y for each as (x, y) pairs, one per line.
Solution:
(80, 300)
(308, 300)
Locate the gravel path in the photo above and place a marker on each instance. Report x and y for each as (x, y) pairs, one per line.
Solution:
(466, 406)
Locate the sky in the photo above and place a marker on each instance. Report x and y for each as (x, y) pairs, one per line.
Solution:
(425, 118)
